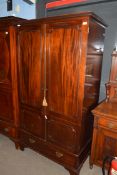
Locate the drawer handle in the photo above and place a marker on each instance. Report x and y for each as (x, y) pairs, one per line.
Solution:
(6, 129)
(59, 155)
(111, 125)
(31, 140)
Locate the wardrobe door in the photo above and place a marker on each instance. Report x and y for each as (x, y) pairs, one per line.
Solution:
(65, 64)
(6, 104)
(5, 73)
(30, 67)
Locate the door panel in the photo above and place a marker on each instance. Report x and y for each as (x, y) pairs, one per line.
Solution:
(5, 74)
(30, 69)
(62, 134)
(6, 107)
(33, 122)
(106, 144)
(63, 57)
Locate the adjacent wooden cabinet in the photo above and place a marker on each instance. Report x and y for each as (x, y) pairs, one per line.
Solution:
(59, 70)
(111, 86)
(105, 122)
(9, 107)
(105, 132)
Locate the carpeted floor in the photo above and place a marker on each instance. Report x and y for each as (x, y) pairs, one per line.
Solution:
(28, 162)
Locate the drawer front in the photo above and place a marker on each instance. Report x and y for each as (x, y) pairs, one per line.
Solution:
(107, 123)
(48, 150)
(33, 122)
(62, 134)
(6, 106)
(7, 130)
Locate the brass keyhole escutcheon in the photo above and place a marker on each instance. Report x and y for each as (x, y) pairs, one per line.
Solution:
(31, 140)
(110, 125)
(6, 129)
(59, 155)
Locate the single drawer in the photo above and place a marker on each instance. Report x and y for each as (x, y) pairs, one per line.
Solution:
(33, 122)
(60, 156)
(7, 129)
(107, 123)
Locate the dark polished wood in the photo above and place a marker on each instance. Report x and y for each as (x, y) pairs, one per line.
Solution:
(73, 172)
(50, 72)
(59, 70)
(9, 107)
(105, 121)
(105, 132)
(33, 122)
(30, 69)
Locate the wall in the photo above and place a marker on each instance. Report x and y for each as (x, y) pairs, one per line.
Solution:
(108, 12)
(25, 11)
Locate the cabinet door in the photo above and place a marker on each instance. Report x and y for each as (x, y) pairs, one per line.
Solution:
(65, 75)
(33, 122)
(106, 144)
(62, 134)
(5, 73)
(30, 69)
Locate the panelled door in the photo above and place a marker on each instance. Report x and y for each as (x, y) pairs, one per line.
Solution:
(106, 144)
(30, 66)
(31, 79)
(5, 76)
(5, 73)
(65, 63)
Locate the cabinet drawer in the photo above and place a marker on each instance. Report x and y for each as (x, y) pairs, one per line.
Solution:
(107, 123)
(6, 129)
(33, 122)
(47, 149)
(60, 156)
